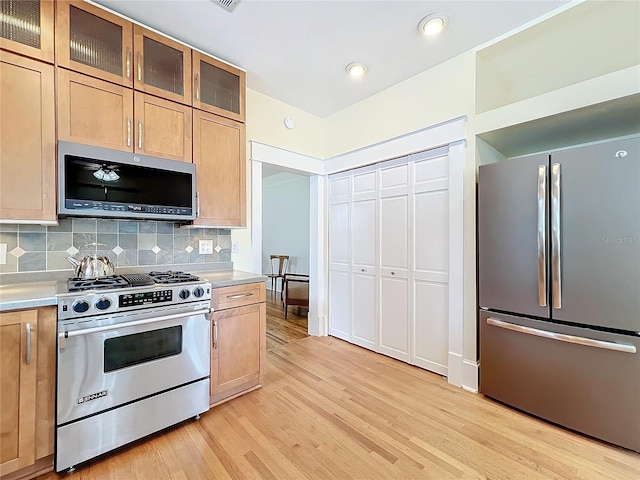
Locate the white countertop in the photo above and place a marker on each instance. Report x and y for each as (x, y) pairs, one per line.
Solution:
(42, 294)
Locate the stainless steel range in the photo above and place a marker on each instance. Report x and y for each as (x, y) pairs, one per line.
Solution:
(133, 358)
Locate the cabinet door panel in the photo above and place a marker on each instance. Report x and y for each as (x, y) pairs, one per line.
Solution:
(218, 88)
(162, 66)
(27, 139)
(219, 155)
(80, 97)
(27, 28)
(238, 350)
(431, 326)
(18, 391)
(394, 317)
(339, 302)
(162, 128)
(364, 310)
(93, 41)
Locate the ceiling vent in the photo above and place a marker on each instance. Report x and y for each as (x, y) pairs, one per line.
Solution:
(228, 5)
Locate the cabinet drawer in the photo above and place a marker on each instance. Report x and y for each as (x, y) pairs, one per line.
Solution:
(238, 295)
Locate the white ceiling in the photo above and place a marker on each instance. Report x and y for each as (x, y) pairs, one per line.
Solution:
(296, 50)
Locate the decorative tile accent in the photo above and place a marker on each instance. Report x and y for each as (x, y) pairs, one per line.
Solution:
(72, 250)
(189, 249)
(118, 250)
(218, 248)
(17, 252)
(155, 249)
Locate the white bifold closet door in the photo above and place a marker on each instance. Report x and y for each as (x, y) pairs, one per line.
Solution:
(388, 258)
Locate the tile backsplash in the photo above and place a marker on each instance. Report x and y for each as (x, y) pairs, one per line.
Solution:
(33, 248)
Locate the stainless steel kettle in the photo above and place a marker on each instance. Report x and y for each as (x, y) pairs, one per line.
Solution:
(92, 266)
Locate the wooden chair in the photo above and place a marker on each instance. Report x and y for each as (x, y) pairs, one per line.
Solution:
(279, 265)
(296, 291)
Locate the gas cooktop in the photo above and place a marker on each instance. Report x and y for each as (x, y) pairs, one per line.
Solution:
(130, 280)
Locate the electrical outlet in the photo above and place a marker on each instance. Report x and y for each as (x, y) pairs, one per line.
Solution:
(3, 253)
(205, 247)
(235, 246)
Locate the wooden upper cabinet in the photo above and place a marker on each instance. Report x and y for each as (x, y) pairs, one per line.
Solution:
(162, 128)
(218, 88)
(94, 112)
(94, 42)
(162, 66)
(27, 28)
(219, 155)
(18, 362)
(27, 139)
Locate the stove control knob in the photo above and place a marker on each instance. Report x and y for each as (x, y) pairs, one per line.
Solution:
(103, 303)
(184, 294)
(198, 292)
(80, 306)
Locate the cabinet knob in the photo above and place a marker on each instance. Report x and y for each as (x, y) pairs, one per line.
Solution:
(393, 273)
(362, 269)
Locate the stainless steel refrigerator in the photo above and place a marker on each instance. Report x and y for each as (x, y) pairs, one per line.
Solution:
(559, 287)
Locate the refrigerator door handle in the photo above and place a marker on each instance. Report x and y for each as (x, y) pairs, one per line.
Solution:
(556, 253)
(561, 337)
(542, 235)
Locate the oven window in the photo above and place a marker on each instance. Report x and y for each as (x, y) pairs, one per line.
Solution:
(128, 350)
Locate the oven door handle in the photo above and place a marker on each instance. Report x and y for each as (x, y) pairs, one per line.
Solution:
(87, 331)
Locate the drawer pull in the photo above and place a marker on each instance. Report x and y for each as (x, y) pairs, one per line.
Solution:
(242, 295)
(27, 328)
(561, 337)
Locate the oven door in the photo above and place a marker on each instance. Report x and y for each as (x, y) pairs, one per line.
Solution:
(107, 363)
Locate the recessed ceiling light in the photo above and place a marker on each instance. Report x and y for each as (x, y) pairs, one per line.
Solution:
(356, 69)
(432, 24)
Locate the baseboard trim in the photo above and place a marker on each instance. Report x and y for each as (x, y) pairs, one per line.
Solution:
(470, 375)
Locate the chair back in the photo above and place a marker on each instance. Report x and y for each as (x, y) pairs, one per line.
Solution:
(279, 264)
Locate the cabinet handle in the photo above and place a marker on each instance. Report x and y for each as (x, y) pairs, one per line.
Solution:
(140, 134)
(242, 295)
(139, 66)
(197, 86)
(128, 132)
(128, 62)
(215, 334)
(197, 204)
(27, 328)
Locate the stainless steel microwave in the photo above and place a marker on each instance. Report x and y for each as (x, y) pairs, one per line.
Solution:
(100, 182)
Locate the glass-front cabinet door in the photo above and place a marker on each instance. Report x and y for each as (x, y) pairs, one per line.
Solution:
(163, 66)
(92, 41)
(26, 27)
(218, 88)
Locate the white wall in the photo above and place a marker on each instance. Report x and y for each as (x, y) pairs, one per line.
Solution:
(285, 220)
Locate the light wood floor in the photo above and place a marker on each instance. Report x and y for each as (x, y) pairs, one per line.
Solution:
(331, 410)
(281, 331)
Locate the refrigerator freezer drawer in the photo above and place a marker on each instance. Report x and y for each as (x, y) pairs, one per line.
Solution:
(583, 379)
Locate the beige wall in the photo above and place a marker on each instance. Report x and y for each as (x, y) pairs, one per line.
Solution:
(431, 97)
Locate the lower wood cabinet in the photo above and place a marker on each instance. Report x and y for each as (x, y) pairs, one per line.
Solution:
(27, 389)
(238, 340)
